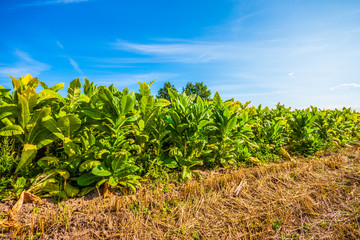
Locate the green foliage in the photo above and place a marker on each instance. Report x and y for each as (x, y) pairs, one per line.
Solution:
(223, 148)
(164, 91)
(303, 132)
(68, 146)
(199, 89)
(24, 117)
(186, 123)
(8, 163)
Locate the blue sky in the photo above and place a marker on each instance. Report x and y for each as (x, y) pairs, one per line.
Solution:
(299, 53)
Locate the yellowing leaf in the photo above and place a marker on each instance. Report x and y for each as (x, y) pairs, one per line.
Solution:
(24, 111)
(89, 165)
(70, 190)
(27, 155)
(25, 80)
(283, 153)
(65, 174)
(16, 84)
(28, 147)
(11, 130)
(30, 95)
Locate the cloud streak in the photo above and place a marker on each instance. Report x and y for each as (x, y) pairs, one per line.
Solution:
(24, 65)
(75, 65)
(67, 1)
(54, 2)
(186, 52)
(60, 45)
(345, 86)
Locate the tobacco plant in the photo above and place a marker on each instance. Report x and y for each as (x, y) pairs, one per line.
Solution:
(68, 146)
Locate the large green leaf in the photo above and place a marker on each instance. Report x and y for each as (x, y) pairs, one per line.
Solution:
(217, 100)
(24, 111)
(65, 174)
(185, 173)
(173, 94)
(119, 163)
(26, 80)
(28, 154)
(88, 165)
(71, 148)
(101, 171)
(145, 88)
(69, 124)
(87, 179)
(11, 130)
(82, 99)
(30, 95)
(44, 85)
(74, 89)
(47, 162)
(57, 87)
(231, 124)
(124, 169)
(105, 95)
(127, 103)
(38, 134)
(7, 122)
(51, 185)
(70, 190)
(4, 90)
(16, 84)
(160, 102)
(7, 110)
(146, 104)
(35, 121)
(50, 124)
(49, 94)
(112, 181)
(92, 113)
(170, 163)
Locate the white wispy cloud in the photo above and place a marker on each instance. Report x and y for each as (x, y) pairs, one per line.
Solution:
(54, 2)
(67, 1)
(113, 66)
(75, 65)
(291, 75)
(24, 65)
(345, 85)
(136, 60)
(187, 52)
(59, 44)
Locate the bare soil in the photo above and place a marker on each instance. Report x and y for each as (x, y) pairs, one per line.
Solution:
(314, 198)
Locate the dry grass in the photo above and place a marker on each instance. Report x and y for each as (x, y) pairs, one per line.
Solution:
(310, 199)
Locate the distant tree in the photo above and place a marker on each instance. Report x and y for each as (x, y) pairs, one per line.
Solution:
(163, 92)
(199, 89)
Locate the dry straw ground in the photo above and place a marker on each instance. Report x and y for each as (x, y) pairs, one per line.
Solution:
(315, 198)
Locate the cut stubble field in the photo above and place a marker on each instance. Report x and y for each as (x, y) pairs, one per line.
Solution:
(308, 198)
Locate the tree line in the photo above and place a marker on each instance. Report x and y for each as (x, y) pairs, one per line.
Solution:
(198, 89)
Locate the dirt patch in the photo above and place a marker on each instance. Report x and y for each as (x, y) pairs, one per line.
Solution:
(308, 199)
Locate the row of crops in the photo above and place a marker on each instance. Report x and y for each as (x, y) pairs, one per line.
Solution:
(67, 146)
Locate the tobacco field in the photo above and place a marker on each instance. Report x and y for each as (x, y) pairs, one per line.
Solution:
(100, 137)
